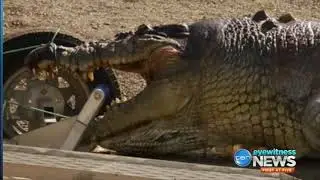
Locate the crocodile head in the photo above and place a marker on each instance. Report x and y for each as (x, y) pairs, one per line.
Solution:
(154, 120)
(148, 49)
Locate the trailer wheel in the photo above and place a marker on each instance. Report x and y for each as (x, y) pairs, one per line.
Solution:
(25, 93)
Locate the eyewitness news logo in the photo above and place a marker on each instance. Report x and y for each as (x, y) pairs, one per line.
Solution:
(269, 161)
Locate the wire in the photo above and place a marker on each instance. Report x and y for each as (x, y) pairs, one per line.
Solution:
(32, 47)
(21, 49)
(38, 109)
(55, 35)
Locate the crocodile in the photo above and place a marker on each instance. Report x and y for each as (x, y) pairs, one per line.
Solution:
(251, 81)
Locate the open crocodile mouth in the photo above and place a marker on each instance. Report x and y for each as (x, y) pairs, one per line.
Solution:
(136, 66)
(120, 115)
(149, 67)
(148, 48)
(144, 51)
(149, 55)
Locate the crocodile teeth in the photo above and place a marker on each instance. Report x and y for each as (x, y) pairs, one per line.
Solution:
(90, 75)
(123, 61)
(124, 99)
(113, 102)
(100, 117)
(118, 101)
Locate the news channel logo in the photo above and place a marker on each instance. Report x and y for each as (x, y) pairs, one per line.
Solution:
(242, 158)
(269, 160)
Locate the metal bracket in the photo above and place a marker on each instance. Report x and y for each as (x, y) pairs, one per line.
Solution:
(86, 115)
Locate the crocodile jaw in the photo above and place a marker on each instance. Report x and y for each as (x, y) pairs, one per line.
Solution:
(154, 64)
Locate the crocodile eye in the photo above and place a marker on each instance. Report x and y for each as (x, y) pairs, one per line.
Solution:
(161, 34)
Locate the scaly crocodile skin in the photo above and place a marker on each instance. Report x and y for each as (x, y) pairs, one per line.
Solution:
(251, 81)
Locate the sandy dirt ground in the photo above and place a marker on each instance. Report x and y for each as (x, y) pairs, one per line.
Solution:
(99, 19)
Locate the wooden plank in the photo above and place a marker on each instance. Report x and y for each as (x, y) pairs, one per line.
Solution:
(33, 172)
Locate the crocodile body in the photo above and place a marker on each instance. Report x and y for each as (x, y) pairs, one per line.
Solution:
(252, 81)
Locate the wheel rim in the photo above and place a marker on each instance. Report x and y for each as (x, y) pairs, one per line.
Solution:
(65, 93)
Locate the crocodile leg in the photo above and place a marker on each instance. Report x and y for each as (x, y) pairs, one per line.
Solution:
(159, 136)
